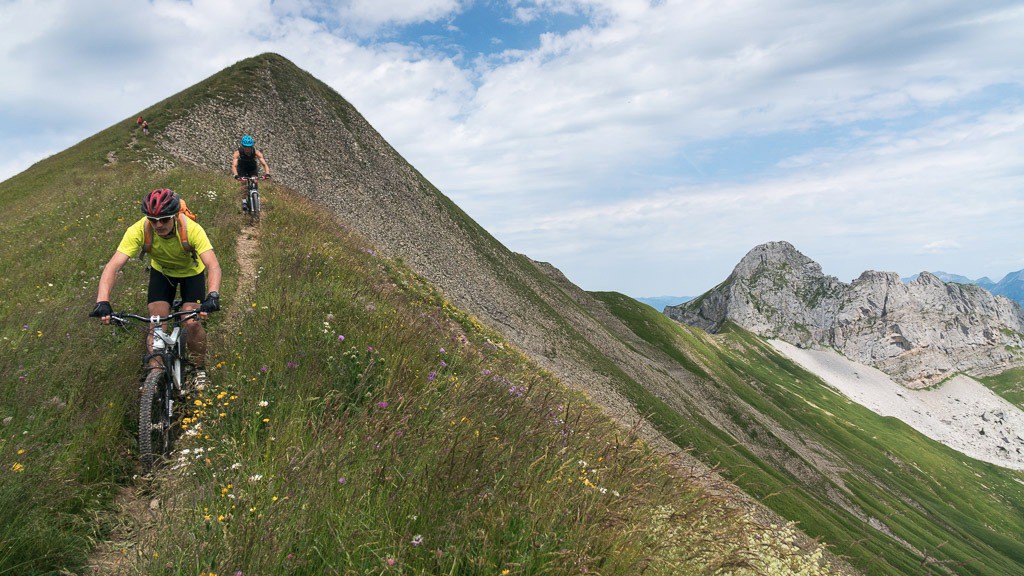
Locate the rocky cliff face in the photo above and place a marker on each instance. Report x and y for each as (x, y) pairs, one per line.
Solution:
(918, 333)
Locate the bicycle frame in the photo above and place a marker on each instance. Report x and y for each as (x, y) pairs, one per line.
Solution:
(252, 201)
(162, 383)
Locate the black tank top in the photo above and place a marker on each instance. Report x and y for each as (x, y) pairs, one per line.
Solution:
(247, 162)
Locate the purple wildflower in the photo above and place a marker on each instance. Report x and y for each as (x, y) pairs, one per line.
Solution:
(431, 376)
(382, 404)
(341, 337)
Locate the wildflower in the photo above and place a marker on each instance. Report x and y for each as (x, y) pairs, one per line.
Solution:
(442, 350)
(431, 376)
(485, 372)
(342, 480)
(292, 364)
(17, 467)
(417, 540)
(263, 403)
(236, 465)
(255, 477)
(263, 368)
(391, 561)
(341, 337)
(443, 364)
(382, 404)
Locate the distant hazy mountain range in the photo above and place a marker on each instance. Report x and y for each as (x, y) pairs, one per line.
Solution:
(659, 302)
(1011, 286)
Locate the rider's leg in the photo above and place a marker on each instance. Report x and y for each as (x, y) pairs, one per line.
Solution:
(193, 291)
(196, 337)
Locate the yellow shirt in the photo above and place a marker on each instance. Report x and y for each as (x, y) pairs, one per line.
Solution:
(167, 256)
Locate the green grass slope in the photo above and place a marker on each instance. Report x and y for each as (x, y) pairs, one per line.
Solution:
(929, 509)
(357, 422)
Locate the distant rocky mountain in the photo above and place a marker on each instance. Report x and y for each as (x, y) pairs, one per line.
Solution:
(918, 333)
(1011, 286)
(985, 282)
(660, 302)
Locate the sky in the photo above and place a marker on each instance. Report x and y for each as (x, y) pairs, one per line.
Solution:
(640, 146)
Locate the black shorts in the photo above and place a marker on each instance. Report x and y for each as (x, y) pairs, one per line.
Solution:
(243, 172)
(163, 288)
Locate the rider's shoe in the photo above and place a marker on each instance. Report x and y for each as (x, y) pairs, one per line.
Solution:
(198, 382)
(245, 205)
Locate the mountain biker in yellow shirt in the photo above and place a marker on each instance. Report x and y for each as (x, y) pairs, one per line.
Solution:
(170, 267)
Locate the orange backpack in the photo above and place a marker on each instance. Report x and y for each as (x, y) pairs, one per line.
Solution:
(147, 234)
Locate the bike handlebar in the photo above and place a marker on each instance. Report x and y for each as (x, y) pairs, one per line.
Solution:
(121, 318)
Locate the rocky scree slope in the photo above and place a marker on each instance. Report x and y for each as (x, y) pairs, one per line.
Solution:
(918, 333)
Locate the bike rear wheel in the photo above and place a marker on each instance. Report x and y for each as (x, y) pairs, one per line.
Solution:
(154, 419)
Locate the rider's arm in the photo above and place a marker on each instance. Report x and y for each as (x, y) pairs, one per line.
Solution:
(234, 164)
(266, 168)
(213, 273)
(108, 277)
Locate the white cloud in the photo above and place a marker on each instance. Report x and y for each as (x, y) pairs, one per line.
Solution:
(645, 151)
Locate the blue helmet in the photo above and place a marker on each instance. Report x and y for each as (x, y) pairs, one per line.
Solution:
(247, 140)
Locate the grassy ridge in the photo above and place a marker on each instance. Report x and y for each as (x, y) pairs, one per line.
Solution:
(962, 514)
(357, 422)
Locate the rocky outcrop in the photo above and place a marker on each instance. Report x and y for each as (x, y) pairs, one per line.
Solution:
(918, 333)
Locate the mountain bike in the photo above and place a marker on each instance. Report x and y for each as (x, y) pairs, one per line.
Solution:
(251, 203)
(162, 384)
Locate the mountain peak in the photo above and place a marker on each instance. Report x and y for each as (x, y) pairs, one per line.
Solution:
(775, 254)
(918, 333)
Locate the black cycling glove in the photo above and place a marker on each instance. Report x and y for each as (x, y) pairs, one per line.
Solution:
(102, 309)
(211, 304)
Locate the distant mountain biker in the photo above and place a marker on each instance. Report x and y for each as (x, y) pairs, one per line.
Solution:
(170, 267)
(245, 163)
(246, 160)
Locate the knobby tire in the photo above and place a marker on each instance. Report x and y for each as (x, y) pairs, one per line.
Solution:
(154, 422)
(254, 205)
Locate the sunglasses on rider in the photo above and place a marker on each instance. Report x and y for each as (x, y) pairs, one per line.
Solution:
(160, 220)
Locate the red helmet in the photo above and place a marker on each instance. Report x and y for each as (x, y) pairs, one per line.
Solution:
(161, 202)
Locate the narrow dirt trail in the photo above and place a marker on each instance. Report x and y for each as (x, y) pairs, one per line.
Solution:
(137, 507)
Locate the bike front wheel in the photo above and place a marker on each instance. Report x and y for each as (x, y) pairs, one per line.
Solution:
(154, 419)
(254, 204)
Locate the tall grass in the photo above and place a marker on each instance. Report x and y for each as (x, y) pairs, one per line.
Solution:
(356, 421)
